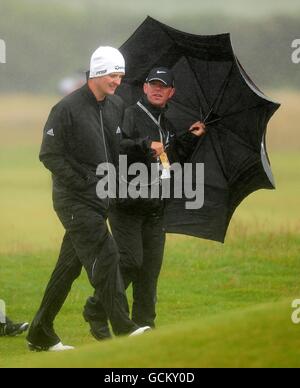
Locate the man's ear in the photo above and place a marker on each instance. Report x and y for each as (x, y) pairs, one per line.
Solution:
(172, 93)
(145, 88)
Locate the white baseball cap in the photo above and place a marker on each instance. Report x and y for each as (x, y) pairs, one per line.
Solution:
(106, 60)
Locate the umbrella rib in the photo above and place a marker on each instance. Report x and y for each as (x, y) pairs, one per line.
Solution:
(185, 108)
(220, 94)
(236, 113)
(191, 104)
(219, 157)
(207, 116)
(242, 141)
(200, 87)
(208, 79)
(166, 31)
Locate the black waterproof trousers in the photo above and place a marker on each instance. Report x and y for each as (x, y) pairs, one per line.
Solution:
(141, 242)
(87, 243)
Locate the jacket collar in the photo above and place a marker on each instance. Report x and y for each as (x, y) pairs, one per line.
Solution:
(89, 95)
(155, 111)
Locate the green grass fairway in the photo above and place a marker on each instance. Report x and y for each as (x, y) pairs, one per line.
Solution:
(258, 337)
(219, 305)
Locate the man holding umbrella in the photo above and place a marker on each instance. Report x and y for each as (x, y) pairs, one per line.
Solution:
(137, 225)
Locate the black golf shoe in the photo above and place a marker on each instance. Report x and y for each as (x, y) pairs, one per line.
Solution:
(11, 329)
(99, 331)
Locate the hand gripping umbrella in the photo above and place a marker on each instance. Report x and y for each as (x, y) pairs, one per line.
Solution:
(211, 86)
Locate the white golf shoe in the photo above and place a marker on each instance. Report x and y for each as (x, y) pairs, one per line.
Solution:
(56, 348)
(140, 331)
(60, 348)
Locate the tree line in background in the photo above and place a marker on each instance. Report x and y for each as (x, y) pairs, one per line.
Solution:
(46, 43)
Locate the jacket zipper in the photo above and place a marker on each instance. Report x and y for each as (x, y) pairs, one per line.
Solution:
(105, 148)
(94, 266)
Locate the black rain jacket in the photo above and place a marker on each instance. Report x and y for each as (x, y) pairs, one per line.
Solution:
(138, 133)
(79, 135)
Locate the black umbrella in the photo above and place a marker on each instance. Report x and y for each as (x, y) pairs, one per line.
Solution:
(211, 86)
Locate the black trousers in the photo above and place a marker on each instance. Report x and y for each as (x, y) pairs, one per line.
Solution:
(141, 242)
(87, 243)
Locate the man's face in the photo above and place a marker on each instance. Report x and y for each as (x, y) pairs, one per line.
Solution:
(108, 84)
(158, 93)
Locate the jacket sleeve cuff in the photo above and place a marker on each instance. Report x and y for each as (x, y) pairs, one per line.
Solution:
(148, 143)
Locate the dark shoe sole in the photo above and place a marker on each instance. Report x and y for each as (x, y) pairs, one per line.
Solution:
(101, 338)
(37, 349)
(99, 331)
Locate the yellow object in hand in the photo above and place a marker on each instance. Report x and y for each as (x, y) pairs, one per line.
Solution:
(165, 161)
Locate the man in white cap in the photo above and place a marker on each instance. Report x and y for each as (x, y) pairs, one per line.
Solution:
(82, 132)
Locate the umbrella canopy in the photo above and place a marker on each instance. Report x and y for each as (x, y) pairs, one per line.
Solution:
(212, 87)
